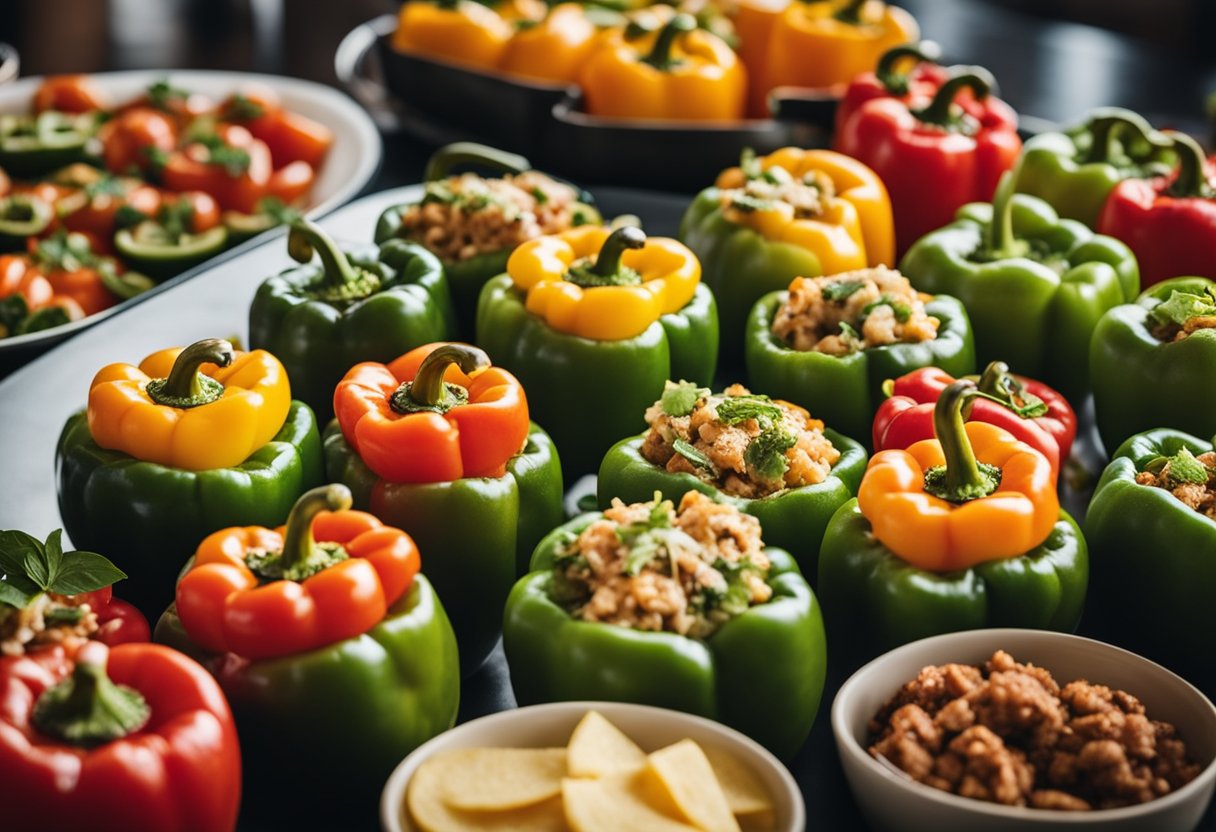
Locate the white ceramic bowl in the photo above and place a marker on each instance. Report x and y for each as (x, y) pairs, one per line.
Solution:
(891, 801)
(540, 726)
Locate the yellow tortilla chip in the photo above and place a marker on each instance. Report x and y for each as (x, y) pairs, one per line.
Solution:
(616, 803)
(598, 748)
(688, 777)
(744, 790)
(427, 799)
(494, 779)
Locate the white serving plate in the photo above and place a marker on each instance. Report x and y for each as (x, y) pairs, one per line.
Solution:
(348, 167)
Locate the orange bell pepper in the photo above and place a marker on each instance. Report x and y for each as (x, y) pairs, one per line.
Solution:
(330, 574)
(438, 413)
(462, 32)
(555, 48)
(69, 94)
(824, 44)
(677, 72)
(972, 495)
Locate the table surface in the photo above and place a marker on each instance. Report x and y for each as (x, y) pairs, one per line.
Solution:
(1049, 69)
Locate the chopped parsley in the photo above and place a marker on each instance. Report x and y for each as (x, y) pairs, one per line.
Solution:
(735, 409)
(680, 399)
(766, 453)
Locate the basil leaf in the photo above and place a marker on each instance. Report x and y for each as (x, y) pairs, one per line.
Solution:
(13, 596)
(54, 556)
(15, 547)
(85, 572)
(690, 453)
(34, 566)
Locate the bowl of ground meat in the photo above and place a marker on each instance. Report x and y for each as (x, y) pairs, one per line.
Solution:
(1010, 729)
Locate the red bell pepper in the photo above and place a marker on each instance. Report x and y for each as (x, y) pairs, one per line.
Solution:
(921, 79)
(1169, 223)
(135, 737)
(936, 154)
(117, 621)
(1030, 410)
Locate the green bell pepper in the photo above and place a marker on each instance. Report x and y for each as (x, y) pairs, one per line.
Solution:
(476, 535)
(875, 601)
(149, 518)
(320, 319)
(793, 519)
(161, 255)
(1075, 171)
(1152, 552)
(1142, 382)
(22, 216)
(34, 145)
(845, 391)
(467, 277)
(1034, 285)
(367, 701)
(761, 673)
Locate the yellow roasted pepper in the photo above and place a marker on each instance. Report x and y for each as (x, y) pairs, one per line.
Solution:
(202, 407)
(462, 31)
(602, 285)
(555, 48)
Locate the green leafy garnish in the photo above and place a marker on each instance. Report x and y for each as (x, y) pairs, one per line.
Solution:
(749, 164)
(901, 310)
(735, 409)
(1180, 307)
(234, 160)
(161, 93)
(690, 453)
(1181, 468)
(641, 553)
(243, 108)
(842, 289)
(31, 567)
(105, 185)
(766, 453)
(849, 334)
(680, 399)
(539, 195)
(127, 216)
(748, 203)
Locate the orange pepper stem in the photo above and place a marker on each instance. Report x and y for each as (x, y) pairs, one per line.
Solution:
(186, 386)
(428, 391)
(342, 280)
(1192, 181)
(850, 12)
(660, 54)
(963, 478)
(1107, 124)
(998, 385)
(87, 709)
(890, 77)
(440, 165)
(299, 546)
(941, 109)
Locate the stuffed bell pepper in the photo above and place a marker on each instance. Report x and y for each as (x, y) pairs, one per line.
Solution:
(190, 441)
(438, 443)
(1034, 285)
(1151, 362)
(136, 737)
(1075, 171)
(766, 458)
(472, 223)
(789, 214)
(935, 154)
(682, 608)
(594, 322)
(464, 32)
(828, 344)
(955, 533)
(1029, 410)
(334, 651)
(359, 304)
(1151, 529)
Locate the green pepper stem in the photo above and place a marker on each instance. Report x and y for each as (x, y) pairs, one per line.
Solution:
(999, 385)
(1001, 241)
(941, 109)
(896, 82)
(448, 157)
(186, 386)
(1108, 123)
(427, 390)
(994, 378)
(608, 261)
(88, 709)
(299, 546)
(964, 478)
(1192, 180)
(660, 53)
(850, 12)
(307, 239)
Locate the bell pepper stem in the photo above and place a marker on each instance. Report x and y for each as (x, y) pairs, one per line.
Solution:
(447, 158)
(1001, 241)
(428, 391)
(1192, 180)
(186, 386)
(88, 709)
(660, 54)
(608, 261)
(306, 239)
(1107, 124)
(998, 385)
(850, 12)
(299, 546)
(896, 82)
(941, 109)
(963, 477)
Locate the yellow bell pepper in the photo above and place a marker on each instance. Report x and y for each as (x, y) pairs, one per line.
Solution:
(462, 31)
(202, 407)
(821, 44)
(754, 23)
(676, 72)
(602, 285)
(554, 49)
(855, 229)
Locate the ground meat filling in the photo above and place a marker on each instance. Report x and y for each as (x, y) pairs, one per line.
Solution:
(776, 189)
(47, 619)
(649, 566)
(853, 311)
(464, 216)
(748, 446)
(1190, 478)
(1007, 733)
